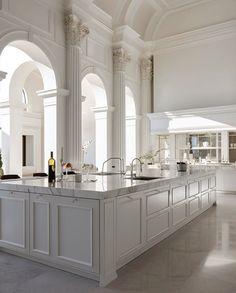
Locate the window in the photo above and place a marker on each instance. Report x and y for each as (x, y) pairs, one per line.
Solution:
(24, 99)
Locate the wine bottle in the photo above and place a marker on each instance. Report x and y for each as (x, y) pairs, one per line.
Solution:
(51, 169)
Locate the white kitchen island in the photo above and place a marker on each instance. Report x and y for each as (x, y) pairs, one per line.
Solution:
(94, 228)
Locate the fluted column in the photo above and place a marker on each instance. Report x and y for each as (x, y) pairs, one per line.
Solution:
(120, 60)
(146, 75)
(75, 33)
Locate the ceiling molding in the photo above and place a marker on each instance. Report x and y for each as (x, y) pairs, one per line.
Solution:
(125, 36)
(188, 39)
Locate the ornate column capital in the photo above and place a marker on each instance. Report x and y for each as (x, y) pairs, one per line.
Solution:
(75, 30)
(120, 59)
(2, 75)
(147, 68)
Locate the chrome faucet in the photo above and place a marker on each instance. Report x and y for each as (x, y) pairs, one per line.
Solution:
(122, 164)
(132, 167)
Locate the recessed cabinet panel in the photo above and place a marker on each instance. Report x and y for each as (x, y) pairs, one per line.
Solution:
(179, 194)
(205, 184)
(129, 227)
(205, 200)
(12, 221)
(157, 225)
(179, 213)
(40, 227)
(75, 234)
(194, 205)
(157, 202)
(193, 188)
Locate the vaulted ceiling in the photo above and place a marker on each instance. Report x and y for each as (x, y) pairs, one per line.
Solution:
(149, 17)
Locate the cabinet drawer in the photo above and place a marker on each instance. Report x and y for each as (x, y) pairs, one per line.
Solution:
(194, 205)
(193, 188)
(205, 200)
(179, 213)
(179, 194)
(157, 202)
(157, 225)
(205, 184)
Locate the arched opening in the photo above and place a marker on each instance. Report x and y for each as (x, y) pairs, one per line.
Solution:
(130, 116)
(28, 124)
(94, 120)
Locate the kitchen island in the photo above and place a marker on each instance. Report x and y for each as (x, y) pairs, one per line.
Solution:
(94, 228)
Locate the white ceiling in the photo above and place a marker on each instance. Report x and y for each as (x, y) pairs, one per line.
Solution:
(146, 16)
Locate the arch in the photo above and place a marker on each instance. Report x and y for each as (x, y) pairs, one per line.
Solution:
(22, 35)
(30, 57)
(104, 80)
(94, 120)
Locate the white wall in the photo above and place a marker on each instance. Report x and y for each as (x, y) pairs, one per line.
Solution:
(200, 75)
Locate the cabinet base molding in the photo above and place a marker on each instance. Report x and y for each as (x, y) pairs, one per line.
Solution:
(55, 265)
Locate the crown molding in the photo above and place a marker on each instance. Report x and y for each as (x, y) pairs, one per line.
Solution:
(124, 36)
(193, 112)
(196, 37)
(201, 119)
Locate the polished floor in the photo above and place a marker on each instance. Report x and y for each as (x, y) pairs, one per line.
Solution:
(199, 258)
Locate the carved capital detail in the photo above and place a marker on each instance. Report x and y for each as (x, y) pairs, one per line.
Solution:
(120, 59)
(2, 75)
(147, 68)
(75, 30)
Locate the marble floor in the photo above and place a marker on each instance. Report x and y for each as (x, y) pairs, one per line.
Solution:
(199, 258)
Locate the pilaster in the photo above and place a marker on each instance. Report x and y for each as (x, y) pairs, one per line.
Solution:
(75, 33)
(146, 103)
(120, 60)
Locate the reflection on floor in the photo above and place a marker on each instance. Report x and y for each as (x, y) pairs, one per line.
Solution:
(199, 258)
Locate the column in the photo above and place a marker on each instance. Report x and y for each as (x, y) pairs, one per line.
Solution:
(4, 129)
(75, 33)
(146, 103)
(120, 60)
(54, 124)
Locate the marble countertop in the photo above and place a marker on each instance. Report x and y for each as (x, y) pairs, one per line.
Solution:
(101, 187)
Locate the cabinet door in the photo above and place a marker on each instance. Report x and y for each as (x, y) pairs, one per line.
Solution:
(213, 182)
(129, 225)
(194, 205)
(178, 194)
(205, 185)
(205, 200)
(156, 200)
(14, 220)
(193, 188)
(179, 213)
(40, 225)
(76, 232)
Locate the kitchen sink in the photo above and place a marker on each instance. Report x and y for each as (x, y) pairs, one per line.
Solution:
(143, 178)
(106, 173)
